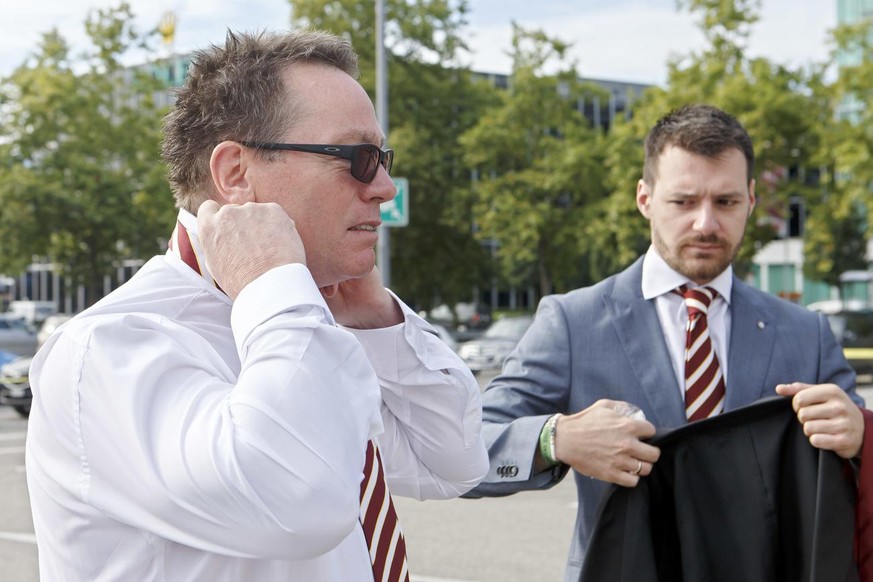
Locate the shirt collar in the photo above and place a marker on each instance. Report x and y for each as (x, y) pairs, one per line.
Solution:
(659, 278)
(185, 245)
(189, 221)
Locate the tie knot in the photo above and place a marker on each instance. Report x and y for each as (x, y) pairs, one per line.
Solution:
(697, 300)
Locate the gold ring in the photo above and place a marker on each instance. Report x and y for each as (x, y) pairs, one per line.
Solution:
(639, 467)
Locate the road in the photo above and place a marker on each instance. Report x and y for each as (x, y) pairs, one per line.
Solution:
(521, 538)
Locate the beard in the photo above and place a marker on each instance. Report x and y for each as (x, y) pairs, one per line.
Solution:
(699, 266)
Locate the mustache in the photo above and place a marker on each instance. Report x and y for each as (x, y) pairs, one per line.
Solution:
(707, 239)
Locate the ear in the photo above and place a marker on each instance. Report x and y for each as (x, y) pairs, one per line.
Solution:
(644, 199)
(229, 167)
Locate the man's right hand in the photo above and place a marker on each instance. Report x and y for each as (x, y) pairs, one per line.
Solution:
(605, 444)
(242, 242)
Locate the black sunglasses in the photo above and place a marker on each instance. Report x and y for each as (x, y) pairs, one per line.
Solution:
(365, 157)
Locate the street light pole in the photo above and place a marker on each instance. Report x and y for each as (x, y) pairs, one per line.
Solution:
(383, 246)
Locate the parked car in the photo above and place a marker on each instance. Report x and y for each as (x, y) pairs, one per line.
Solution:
(854, 330)
(7, 357)
(14, 370)
(17, 336)
(444, 334)
(15, 385)
(466, 320)
(33, 312)
(488, 351)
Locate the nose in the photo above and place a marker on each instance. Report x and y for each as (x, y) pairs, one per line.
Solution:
(382, 187)
(705, 221)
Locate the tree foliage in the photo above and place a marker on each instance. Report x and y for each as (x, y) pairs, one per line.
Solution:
(539, 167)
(81, 183)
(839, 218)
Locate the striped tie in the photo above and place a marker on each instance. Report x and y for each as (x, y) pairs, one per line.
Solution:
(704, 382)
(379, 520)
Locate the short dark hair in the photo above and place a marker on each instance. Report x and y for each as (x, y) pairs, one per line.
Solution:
(236, 92)
(700, 129)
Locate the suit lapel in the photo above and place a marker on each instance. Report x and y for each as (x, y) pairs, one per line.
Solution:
(751, 346)
(639, 331)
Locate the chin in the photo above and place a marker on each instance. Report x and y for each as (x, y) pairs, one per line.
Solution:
(358, 270)
(704, 271)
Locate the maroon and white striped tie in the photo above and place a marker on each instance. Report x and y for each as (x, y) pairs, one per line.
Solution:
(385, 541)
(704, 381)
(379, 520)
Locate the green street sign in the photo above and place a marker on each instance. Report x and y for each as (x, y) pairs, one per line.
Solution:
(396, 212)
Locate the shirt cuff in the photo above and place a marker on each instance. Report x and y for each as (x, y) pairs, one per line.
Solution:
(281, 289)
(400, 347)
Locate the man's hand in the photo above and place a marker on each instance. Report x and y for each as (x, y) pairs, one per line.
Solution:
(605, 444)
(363, 303)
(242, 242)
(829, 417)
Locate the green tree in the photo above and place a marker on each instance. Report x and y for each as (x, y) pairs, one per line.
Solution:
(835, 242)
(81, 182)
(431, 101)
(540, 167)
(838, 222)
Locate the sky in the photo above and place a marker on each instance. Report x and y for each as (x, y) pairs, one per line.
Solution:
(623, 40)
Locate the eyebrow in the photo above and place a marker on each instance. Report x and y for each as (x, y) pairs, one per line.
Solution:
(732, 194)
(360, 137)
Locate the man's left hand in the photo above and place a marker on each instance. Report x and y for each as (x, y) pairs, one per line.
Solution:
(363, 303)
(829, 417)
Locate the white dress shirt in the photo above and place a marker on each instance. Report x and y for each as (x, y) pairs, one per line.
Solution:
(659, 281)
(178, 436)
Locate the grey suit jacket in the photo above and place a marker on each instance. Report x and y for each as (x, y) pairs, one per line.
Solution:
(605, 341)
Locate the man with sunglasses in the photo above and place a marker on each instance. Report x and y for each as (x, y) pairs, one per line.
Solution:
(243, 408)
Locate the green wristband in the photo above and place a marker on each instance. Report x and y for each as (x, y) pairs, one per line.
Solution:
(547, 440)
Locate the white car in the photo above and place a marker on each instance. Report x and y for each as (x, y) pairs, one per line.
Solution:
(15, 385)
(488, 351)
(33, 312)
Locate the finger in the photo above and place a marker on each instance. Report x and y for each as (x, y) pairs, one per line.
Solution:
(823, 402)
(809, 393)
(804, 396)
(646, 452)
(642, 428)
(825, 410)
(792, 388)
(632, 466)
(624, 478)
(839, 443)
(646, 469)
(828, 426)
